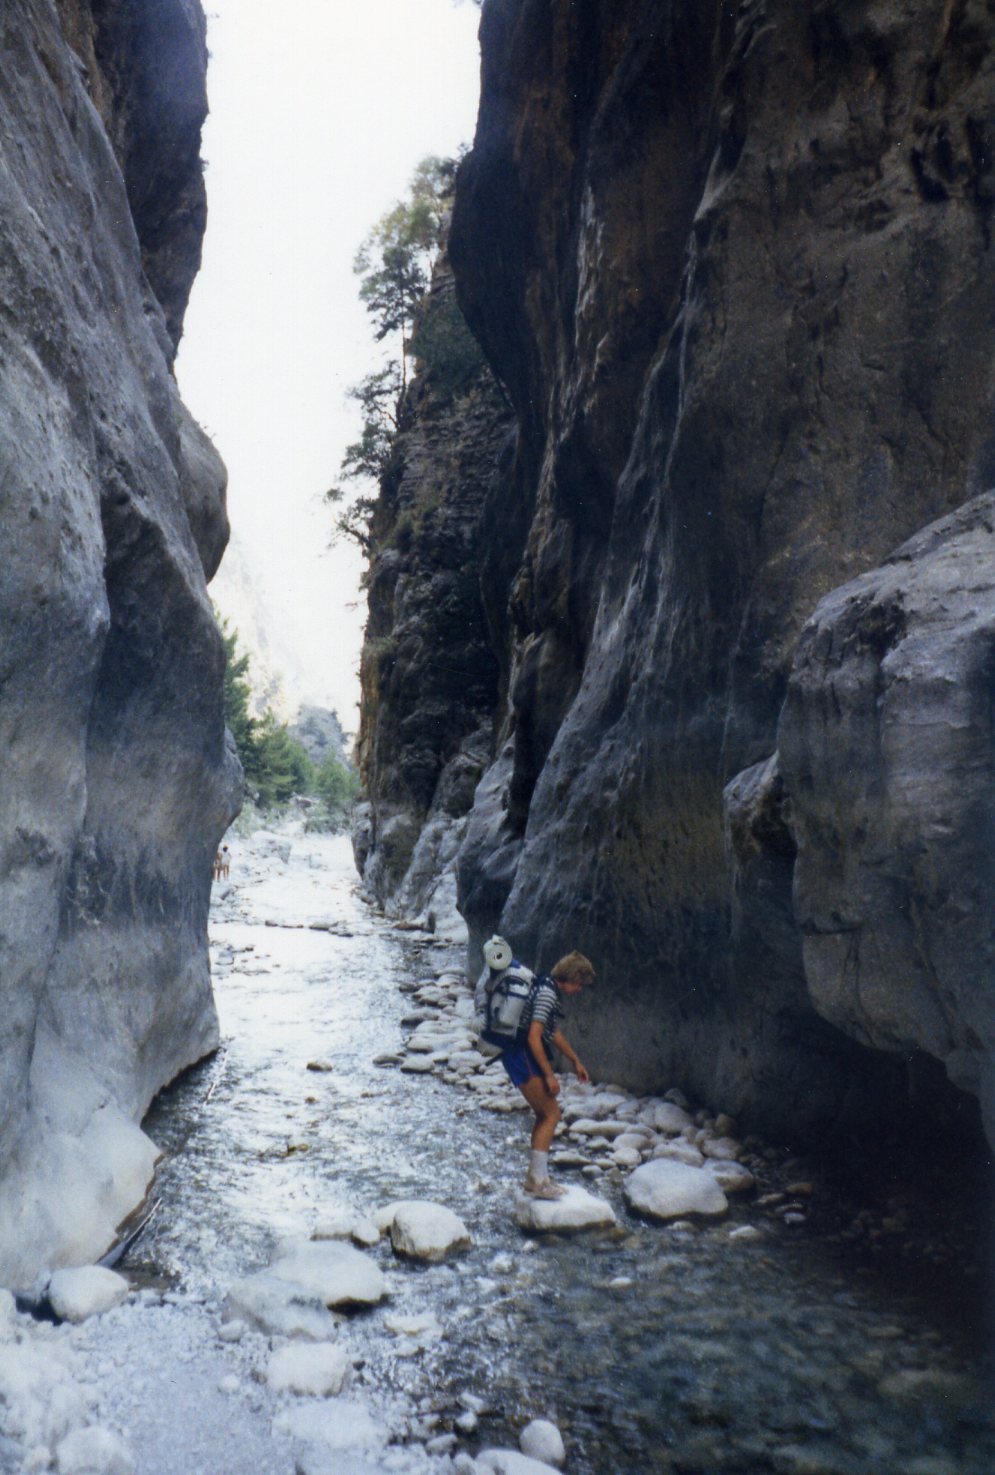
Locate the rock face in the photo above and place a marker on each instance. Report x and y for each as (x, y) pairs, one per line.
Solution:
(429, 674)
(885, 743)
(733, 267)
(117, 780)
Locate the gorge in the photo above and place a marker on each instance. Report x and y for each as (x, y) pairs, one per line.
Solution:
(722, 716)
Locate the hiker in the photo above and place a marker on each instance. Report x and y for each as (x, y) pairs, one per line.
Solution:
(526, 1057)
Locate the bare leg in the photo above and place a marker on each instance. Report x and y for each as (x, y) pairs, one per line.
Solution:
(547, 1111)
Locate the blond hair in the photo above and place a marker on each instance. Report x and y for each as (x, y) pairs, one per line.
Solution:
(574, 968)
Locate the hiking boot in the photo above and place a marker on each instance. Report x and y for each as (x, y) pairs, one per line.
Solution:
(543, 1188)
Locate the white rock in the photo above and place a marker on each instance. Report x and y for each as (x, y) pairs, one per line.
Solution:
(89, 1290)
(39, 1397)
(342, 1425)
(315, 1369)
(627, 1157)
(541, 1440)
(745, 1233)
(510, 1462)
(232, 1331)
(592, 1127)
(721, 1147)
(679, 1152)
(665, 1189)
(336, 1273)
(280, 1308)
(423, 1328)
(418, 1064)
(94, 1451)
(670, 1119)
(731, 1177)
(427, 1231)
(577, 1209)
(8, 1312)
(228, 1384)
(637, 1139)
(341, 1221)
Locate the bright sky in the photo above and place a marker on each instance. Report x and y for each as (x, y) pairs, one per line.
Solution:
(320, 110)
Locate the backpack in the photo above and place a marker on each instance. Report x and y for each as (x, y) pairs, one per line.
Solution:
(506, 992)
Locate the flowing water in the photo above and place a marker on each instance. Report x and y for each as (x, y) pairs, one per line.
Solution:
(653, 1348)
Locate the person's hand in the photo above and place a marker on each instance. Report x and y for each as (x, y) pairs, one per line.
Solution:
(582, 1074)
(552, 1084)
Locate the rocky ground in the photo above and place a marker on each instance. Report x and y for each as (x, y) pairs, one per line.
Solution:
(334, 1283)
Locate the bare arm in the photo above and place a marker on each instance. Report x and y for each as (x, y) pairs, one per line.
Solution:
(563, 1044)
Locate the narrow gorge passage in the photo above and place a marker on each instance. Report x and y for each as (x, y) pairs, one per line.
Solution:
(654, 1348)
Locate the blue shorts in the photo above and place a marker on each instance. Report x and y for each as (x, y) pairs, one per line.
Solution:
(520, 1064)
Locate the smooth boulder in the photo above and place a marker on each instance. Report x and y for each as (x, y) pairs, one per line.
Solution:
(314, 1369)
(88, 1290)
(339, 1275)
(426, 1231)
(666, 1189)
(576, 1210)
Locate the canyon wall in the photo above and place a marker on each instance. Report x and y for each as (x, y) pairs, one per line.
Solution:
(733, 268)
(429, 676)
(117, 781)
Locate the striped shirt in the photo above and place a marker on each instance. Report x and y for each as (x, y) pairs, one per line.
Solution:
(544, 1007)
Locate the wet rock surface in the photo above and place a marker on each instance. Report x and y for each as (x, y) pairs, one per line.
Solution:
(799, 1331)
(117, 780)
(732, 269)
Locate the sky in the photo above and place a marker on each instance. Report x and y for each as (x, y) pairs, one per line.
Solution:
(320, 111)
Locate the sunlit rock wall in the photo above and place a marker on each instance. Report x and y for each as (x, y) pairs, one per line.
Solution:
(116, 778)
(733, 266)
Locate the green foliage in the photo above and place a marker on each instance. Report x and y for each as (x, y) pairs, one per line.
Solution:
(280, 768)
(367, 458)
(237, 693)
(394, 265)
(395, 260)
(276, 765)
(444, 347)
(337, 785)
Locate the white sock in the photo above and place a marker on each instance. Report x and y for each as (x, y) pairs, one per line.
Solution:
(539, 1165)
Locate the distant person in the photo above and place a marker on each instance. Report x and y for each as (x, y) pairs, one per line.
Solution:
(225, 861)
(522, 1017)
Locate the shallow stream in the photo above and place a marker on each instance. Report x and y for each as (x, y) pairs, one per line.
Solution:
(705, 1355)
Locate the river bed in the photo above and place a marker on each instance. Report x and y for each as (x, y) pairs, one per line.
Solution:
(652, 1348)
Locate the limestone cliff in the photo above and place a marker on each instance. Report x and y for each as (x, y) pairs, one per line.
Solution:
(429, 675)
(117, 781)
(733, 266)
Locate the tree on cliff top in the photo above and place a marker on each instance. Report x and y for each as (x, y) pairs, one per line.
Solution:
(394, 262)
(394, 265)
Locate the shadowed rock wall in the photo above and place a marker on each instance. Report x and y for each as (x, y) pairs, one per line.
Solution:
(734, 267)
(116, 779)
(429, 674)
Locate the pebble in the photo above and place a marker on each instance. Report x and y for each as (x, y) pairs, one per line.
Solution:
(542, 1440)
